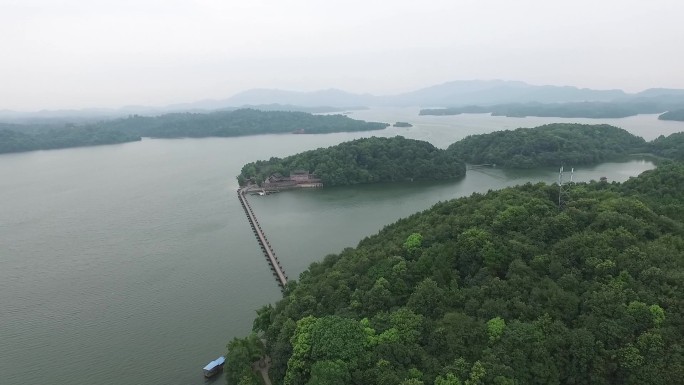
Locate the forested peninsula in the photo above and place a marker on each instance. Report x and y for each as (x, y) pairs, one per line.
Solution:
(368, 160)
(18, 137)
(677, 115)
(502, 288)
(594, 110)
(549, 145)
(671, 146)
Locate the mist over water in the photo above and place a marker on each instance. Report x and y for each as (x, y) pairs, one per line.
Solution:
(134, 263)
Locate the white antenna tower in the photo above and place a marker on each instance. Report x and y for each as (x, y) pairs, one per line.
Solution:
(560, 185)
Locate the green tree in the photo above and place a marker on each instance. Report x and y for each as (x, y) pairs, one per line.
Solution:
(329, 373)
(658, 314)
(413, 242)
(477, 374)
(448, 379)
(242, 352)
(495, 328)
(427, 299)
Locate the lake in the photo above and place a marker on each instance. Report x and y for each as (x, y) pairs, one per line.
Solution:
(135, 264)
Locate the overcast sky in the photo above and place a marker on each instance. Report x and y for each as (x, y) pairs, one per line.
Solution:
(111, 53)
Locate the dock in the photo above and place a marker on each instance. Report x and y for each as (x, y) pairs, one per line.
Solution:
(276, 267)
(477, 166)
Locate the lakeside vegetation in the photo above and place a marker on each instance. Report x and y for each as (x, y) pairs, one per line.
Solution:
(594, 110)
(17, 137)
(549, 145)
(501, 288)
(368, 160)
(677, 115)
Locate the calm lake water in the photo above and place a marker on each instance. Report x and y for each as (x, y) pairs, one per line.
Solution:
(134, 263)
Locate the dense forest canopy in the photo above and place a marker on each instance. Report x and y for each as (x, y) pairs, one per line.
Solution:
(595, 110)
(17, 137)
(501, 288)
(365, 160)
(673, 115)
(549, 145)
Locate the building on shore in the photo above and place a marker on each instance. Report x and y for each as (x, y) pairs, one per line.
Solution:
(297, 179)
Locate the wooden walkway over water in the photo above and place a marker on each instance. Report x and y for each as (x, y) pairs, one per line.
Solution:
(277, 269)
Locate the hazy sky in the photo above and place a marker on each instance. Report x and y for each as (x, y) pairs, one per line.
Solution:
(110, 53)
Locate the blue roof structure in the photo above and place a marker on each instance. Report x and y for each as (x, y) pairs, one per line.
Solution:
(213, 364)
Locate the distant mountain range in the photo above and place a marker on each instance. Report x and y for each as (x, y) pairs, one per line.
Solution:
(450, 94)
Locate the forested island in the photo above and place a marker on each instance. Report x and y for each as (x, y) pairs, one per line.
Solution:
(18, 137)
(402, 124)
(502, 288)
(549, 145)
(386, 160)
(367, 160)
(677, 115)
(595, 110)
(238, 123)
